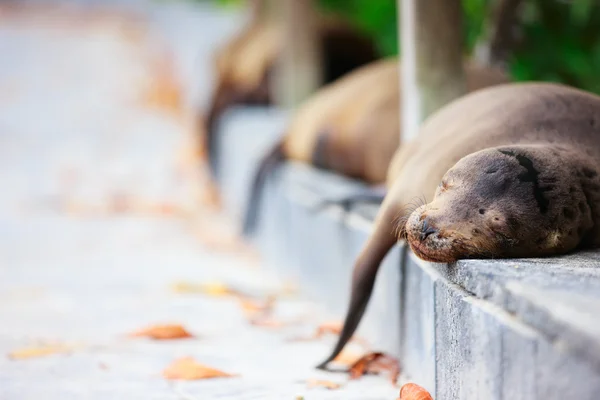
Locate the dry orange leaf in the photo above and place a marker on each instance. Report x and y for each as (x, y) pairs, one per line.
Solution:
(163, 90)
(333, 327)
(254, 308)
(412, 391)
(347, 357)
(163, 332)
(215, 289)
(268, 322)
(313, 383)
(188, 369)
(40, 351)
(375, 363)
(260, 313)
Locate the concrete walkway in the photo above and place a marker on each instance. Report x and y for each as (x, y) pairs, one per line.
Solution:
(99, 217)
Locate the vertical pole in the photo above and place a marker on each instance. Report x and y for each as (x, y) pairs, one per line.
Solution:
(299, 72)
(432, 65)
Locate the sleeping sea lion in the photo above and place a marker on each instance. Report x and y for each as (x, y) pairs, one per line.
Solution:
(351, 126)
(508, 171)
(244, 65)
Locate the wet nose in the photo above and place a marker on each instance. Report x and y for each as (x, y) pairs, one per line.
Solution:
(427, 229)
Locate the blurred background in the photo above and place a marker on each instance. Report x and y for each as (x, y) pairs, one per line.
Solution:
(556, 40)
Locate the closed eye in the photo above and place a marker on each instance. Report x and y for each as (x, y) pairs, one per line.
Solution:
(443, 186)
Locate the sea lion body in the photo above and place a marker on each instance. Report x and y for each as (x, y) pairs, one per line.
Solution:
(351, 126)
(332, 128)
(508, 171)
(245, 65)
(356, 120)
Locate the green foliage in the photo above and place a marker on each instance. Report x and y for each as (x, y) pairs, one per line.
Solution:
(474, 18)
(561, 43)
(561, 38)
(378, 18)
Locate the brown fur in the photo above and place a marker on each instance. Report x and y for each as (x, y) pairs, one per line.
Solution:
(509, 171)
(244, 65)
(358, 117)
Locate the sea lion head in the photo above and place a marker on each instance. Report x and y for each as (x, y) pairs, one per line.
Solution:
(502, 203)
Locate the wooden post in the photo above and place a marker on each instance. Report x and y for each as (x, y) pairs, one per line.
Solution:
(432, 59)
(299, 72)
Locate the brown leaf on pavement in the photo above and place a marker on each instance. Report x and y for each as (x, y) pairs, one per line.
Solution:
(163, 332)
(188, 369)
(333, 327)
(330, 327)
(412, 391)
(260, 313)
(254, 308)
(38, 351)
(269, 322)
(163, 90)
(313, 383)
(375, 363)
(347, 357)
(214, 289)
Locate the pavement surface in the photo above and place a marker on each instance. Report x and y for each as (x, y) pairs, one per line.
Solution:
(101, 228)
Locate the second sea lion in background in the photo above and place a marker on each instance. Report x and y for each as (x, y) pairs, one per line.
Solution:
(351, 127)
(245, 65)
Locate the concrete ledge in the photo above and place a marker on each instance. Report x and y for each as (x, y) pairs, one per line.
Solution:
(503, 329)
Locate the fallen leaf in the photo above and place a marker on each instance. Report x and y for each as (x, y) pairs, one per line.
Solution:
(347, 357)
(215, 289)
(40, 351)
(260, 312)
(188, 369)
(333, 327)
(254, 308)
(375, 363)
(163, 90)
(412, 391)
(313, 383)
(268, 322)
(163, 332)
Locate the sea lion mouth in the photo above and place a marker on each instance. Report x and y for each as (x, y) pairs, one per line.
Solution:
(427, 252)
(428, 241)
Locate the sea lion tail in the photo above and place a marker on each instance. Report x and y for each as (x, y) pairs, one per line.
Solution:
(223, 98)
(363, 277)
(268, 163)
(369, 195)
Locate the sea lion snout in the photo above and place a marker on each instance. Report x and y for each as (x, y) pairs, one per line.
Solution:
(427, 229)
(426, 237)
